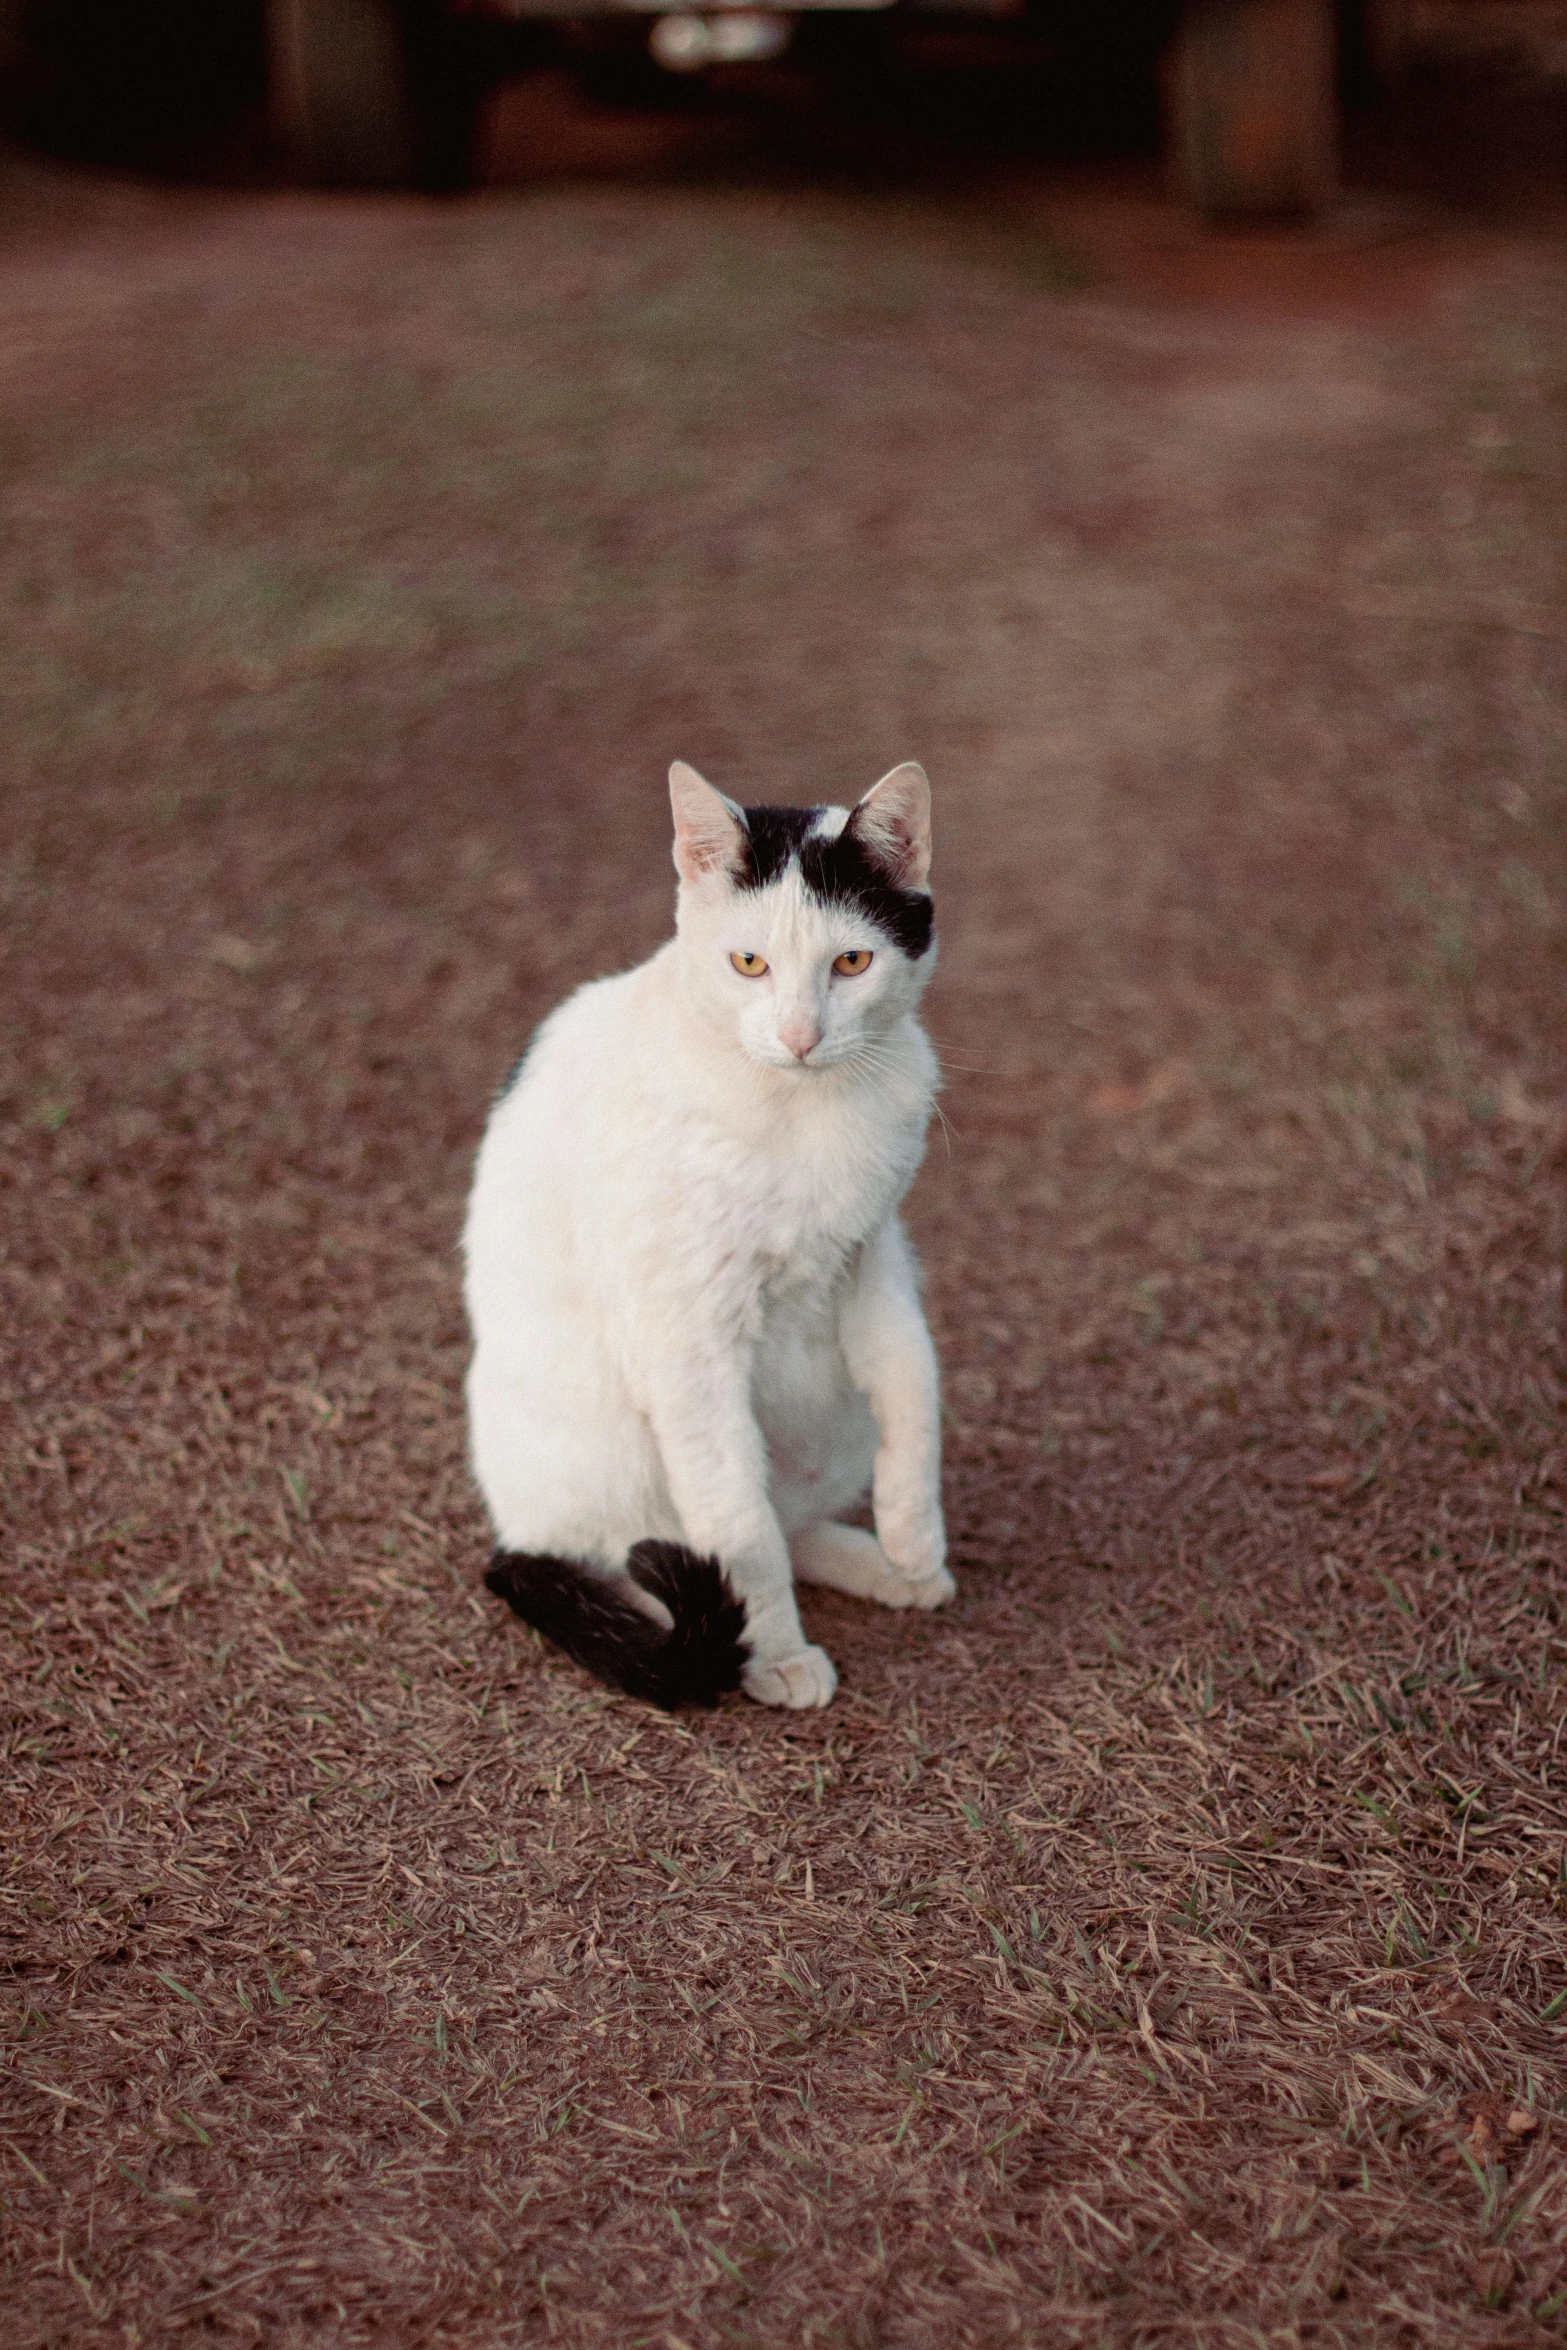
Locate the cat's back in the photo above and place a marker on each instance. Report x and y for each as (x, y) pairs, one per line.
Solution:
(566, 1118)
(538, 1164)
(578, 1055)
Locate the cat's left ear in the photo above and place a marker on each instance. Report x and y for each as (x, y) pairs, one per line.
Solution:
(710, 834)
(892, 824)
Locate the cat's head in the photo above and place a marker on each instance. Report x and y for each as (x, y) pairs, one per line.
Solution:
(806, 929)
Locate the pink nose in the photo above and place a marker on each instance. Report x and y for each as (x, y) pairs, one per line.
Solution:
(802, 1036)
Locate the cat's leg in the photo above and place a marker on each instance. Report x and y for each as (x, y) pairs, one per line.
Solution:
(565, 1464)
(715, 1465)
(888, 1350)
(846, 1558)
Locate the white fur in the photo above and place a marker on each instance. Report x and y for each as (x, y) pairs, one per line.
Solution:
(695, 1313)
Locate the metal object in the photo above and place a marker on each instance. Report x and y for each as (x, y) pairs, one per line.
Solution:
(709, 10)
(738, 36)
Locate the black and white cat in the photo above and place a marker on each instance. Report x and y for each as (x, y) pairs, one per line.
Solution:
(698, 1334)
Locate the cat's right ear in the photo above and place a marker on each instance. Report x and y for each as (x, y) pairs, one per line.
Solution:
(710, 835)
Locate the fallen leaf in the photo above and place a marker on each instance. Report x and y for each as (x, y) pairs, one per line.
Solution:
(1492, 2125)
(1515, 1104)
(1114, 1101)
(1115, 1098)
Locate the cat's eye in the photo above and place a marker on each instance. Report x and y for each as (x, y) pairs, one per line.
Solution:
(750, 966)
(850, 965)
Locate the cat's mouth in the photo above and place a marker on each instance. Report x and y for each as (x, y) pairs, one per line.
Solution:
(808, 1064)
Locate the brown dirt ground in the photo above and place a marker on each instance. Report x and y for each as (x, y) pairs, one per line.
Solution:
(1164, 1946)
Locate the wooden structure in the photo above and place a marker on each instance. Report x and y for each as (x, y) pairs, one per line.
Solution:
(1254, 109)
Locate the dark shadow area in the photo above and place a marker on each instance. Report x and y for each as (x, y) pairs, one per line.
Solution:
(1490, 145)
(174, 88)
(178, 90)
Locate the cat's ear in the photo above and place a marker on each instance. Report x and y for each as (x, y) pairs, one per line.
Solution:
(710, 834)
(892, 825)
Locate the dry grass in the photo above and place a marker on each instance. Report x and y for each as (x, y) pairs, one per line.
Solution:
(1167, 1946)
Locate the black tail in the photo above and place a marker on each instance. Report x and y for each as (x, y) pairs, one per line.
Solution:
(693, 1663)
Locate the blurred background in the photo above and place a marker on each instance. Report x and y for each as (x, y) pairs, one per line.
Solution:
(1249, 103)
(1154, 422)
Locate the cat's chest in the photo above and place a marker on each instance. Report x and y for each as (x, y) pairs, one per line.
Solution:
(762, 1194)
(814, 1199)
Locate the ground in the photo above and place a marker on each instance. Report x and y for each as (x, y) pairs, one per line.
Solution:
(1165, 1944)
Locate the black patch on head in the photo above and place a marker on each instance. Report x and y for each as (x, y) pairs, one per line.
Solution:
(773, 836)
(839, 871)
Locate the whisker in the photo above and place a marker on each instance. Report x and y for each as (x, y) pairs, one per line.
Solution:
(975, 1068)
(970, 1068)
(875, 1062)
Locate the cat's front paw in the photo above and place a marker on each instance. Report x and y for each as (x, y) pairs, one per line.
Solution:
(913, 1539)
(918, 1557)
(800, 1681)
(932, 1589)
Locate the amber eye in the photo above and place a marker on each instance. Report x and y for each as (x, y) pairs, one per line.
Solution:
(850, 966)
(749, 966)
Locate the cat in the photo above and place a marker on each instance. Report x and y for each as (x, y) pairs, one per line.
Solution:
(698, 1338)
